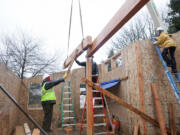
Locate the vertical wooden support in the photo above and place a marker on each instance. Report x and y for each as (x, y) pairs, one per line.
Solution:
(89, 97)
(159, 110)
(113, 62)
(141, 91)
(172, 119)
(136, 129)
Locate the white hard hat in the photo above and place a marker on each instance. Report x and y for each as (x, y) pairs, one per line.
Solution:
(45, 76)
(160, 28)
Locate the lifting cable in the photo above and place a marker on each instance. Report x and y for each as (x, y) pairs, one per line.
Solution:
(80, 15)
(70, 20)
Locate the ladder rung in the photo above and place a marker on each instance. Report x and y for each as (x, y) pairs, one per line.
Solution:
(67, 104)
(95, 91)
(99, 115)
(66, 118)
(64, 125)
(67, 111)
(67, 98)
(101, 133)
(98, 106)
(99, 124)
(67, 92)
(67, 87)
(97, 98)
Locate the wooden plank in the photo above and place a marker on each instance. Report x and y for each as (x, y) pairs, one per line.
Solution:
(159, 110)
(89, 98)
(172, 119)
(112, 58)
(84, 45)
(20, 130)
(36, 131)
(127, 10)
(123, 103)
(113, 64)
(136, 129)
(116, 55)
(141, 91)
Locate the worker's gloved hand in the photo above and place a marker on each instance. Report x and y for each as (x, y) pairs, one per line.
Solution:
(65, 75)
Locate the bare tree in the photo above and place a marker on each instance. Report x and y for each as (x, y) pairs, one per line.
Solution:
(140, 28)
(22, 54)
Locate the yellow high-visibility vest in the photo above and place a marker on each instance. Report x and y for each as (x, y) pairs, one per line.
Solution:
(47, 95)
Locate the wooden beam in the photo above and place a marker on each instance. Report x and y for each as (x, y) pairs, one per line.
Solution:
(107, 61)
(89, 98)
(140, 81)
(158, 109)
(112, 58)
(113, 63)
(172, 119)
(123, 103)
(116, 55)
(127, 10)
(136, 129)
(84, 45)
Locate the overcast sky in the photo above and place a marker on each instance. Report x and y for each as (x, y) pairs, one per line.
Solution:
(49, 21)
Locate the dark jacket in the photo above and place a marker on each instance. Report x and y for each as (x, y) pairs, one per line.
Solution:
(94, 67)
(50, 84)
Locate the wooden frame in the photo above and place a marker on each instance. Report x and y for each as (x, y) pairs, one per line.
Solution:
(123, 103)
(89, 99)
(140, 80)
(83, 46)
(128, 10)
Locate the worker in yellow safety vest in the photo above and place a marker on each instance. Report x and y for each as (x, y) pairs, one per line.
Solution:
(48, 99)
(166, 42)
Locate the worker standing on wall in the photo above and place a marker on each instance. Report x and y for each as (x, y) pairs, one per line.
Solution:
(48, 99)
(94, 69)
(169, 46)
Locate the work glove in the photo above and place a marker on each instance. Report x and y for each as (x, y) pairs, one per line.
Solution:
(65, 75)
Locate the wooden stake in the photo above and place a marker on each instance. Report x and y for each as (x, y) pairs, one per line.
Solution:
(141, 91)
(159, 110)
(136, 129)
(124, 104)
(172, 119)
(89, 98)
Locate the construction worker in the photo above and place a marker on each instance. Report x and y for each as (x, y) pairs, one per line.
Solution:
(48, 99)
(94, 69)
(169, 46)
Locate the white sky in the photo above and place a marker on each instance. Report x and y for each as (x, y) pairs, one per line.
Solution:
(49, 21)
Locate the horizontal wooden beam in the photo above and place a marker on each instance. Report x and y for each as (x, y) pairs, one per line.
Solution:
(123, 103)
(127, 10)
(112, 58)
(84, 45)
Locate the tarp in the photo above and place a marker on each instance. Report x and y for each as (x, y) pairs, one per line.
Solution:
(110, 84)
(107, 85)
